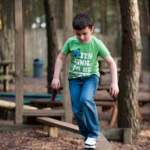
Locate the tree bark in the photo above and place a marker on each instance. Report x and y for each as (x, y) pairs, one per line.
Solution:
(149, 27)
(7, 30)
(103, 19)
(130, 66)
(91, 11)
(51, 39)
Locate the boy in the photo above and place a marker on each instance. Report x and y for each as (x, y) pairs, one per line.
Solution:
(84, 75)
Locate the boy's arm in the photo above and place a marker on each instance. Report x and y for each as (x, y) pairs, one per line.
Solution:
(57, 70)
(114, 90)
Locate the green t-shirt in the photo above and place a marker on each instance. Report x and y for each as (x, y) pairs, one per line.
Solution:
(84, 56)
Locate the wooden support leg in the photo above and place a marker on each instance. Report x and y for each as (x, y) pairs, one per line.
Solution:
(139, 113)
(127, 136)
(114, 116)
(6, 82)
(53, 132)
(6, 85)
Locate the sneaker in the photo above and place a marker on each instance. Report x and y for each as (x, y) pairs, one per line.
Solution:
(90, 143)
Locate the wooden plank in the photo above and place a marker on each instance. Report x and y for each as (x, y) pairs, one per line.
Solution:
(41, 103)
(44, 112)
(114, 116)
(57, 123)
(105, 103)
(103, 87)
(19, 48)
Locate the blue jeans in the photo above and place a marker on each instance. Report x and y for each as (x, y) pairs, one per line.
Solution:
(82, 91)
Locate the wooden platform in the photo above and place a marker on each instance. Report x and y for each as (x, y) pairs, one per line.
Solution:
(102, 143)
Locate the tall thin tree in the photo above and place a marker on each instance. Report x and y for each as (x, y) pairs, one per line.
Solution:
(7, 30)
(51, 39)
(130, 66)
(149, 26)
(103, 19)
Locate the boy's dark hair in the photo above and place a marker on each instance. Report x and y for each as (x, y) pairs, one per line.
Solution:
(82, 21)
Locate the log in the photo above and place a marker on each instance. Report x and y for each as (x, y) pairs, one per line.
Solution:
(118, 134)
(113, 134)
(12, 105)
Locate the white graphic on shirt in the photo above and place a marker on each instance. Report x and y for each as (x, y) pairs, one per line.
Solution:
(82, 64)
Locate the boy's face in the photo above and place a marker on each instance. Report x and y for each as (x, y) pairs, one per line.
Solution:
(84, 35)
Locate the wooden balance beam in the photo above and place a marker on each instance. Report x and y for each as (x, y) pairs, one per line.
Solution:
(102, 143)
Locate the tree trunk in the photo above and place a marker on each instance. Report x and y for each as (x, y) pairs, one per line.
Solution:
(91, 11)
(51, 39)
(7, 30)
(103, 20)
(59, 12)
(149, 28)
(130, 66)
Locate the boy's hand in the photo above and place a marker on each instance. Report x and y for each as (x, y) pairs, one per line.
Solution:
(55, 83)
(114, 90)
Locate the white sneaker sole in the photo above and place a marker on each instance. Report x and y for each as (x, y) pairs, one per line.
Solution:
(90, 146)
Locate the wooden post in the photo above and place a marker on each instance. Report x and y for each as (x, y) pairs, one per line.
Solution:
(19, 48)
(6, 82)
(53, 132)
(127, 136)
(67, 33)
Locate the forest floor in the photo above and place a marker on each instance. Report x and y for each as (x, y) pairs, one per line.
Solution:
(37, 139)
